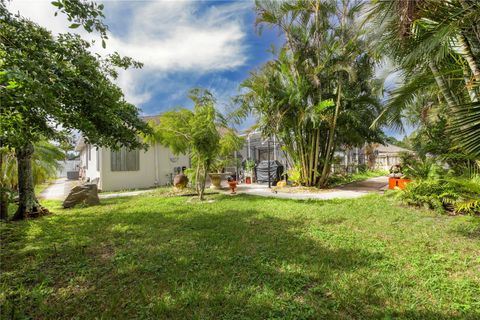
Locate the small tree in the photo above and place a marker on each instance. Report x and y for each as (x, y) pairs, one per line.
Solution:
(49, 85)
(201, 133)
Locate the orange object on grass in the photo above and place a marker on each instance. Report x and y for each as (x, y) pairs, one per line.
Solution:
(397, 183)
(233, 185)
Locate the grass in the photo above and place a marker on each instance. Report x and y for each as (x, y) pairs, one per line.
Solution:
(337, 180)
(39, 188)
(242, 257)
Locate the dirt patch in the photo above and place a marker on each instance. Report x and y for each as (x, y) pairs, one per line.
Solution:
(300, 189)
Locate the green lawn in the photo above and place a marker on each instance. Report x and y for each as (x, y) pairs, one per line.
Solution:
(243, 257)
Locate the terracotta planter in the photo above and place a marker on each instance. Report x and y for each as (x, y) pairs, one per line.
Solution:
(180, 181)
(216, 179)
(397, 183)
(232, 185)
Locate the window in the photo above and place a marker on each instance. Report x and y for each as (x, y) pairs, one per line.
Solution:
(98, 159)
(89, 150)
(125, 160)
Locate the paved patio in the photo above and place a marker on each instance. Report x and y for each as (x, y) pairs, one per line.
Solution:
(347, 191)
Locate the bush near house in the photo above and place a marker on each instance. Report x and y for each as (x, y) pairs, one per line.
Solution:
(455, 195)
(436, 188)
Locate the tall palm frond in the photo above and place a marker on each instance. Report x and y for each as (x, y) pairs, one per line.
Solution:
(45, 164)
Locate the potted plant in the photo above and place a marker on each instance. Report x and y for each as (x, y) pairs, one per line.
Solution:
(249, 167)
(397, 180)
(216, 179)
(217, 173)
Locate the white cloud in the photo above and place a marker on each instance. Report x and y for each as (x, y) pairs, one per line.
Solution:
(167, 36)
(176, 36)
(129, 81)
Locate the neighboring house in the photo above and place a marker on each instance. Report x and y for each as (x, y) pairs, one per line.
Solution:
(129, 169)
(68, 166)
(373, 156)
(385, 156)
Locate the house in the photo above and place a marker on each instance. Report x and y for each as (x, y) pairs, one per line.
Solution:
(129, 169)
(372, 156)
(385, 156)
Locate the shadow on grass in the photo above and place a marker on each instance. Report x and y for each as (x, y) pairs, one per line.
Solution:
(469, 227)
(176, 261)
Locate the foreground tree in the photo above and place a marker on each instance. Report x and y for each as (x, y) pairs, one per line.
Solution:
(201, 133)
(45, 165)
(50, 85)
(436, 46)
(319, 93)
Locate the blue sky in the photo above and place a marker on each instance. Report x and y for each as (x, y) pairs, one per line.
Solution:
(183, 44)
(210, 44)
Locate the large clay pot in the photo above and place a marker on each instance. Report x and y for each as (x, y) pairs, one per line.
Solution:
(216, 179)
(180, 181)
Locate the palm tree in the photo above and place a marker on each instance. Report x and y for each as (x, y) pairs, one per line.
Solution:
(436, 45)
(201, 133)
(320, 83)
(45, 165)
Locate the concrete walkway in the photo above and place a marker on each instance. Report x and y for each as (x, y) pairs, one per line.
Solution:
(58, 190)
(61, 187)
(348, 191)
(369, 185)
(123, 194)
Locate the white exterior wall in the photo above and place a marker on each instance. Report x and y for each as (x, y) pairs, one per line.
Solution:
(385, 162)
(167, 162)
(93, 171)
(88, 165)
(155, 167)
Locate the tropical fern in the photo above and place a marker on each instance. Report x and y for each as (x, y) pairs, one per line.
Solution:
(450, 194)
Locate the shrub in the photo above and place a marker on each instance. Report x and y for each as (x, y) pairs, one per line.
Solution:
(294, 175)
(450, 194)
(190, 173)
(420, 168)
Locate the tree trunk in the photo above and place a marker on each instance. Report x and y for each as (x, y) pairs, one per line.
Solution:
(317, 152)
(468, 55)
(28, 205)
(202, 184)
(3, 198)
(442, 84)
(197, 178)
(326, 164)
(471, 92)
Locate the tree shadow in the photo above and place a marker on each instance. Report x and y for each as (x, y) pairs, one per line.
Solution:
(469, 228)
(189, 261)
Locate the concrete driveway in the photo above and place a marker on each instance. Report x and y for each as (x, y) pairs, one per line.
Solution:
(58, 190)
(347, 191)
